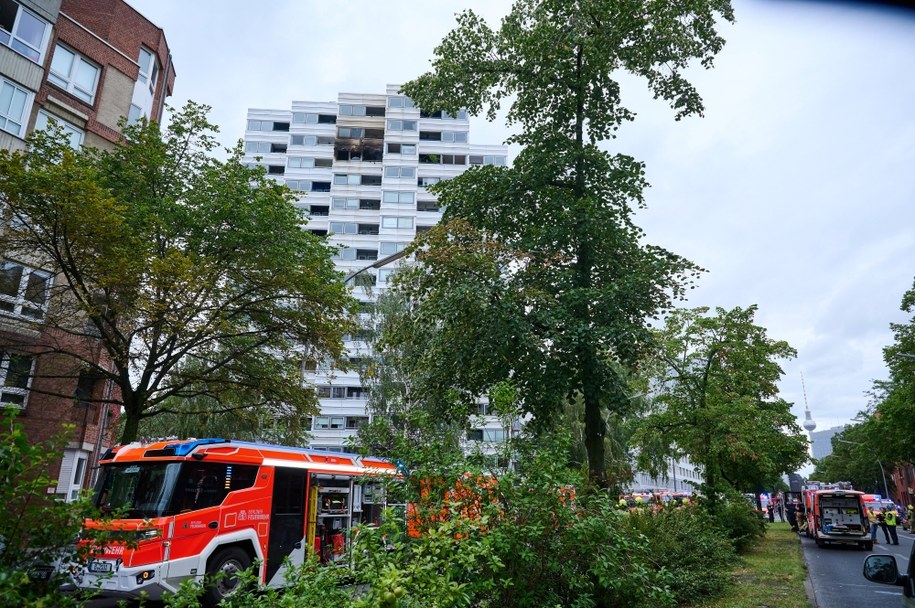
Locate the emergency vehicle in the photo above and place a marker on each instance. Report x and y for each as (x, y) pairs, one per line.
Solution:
(198, 508)
(836, 514)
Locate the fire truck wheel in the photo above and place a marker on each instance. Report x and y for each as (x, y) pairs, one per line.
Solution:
(221, 579)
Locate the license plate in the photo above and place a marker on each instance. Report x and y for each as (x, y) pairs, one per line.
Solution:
(96, 566)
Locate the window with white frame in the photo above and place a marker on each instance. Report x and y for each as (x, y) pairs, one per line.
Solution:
(23, 31)
(389, 248)
(398, 197)
(396, 148)
(400, 172)
(422, 182)
(15, 378)
(149, 69)
(300, 162)
(329, 422)
(74, 73)
(399, 101)
(394, 221)
(384, 275)
(401, 125)
(74, 133)
(15, 103)
(23, 290)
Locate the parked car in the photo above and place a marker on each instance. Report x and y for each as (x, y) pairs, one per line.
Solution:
(883, 569)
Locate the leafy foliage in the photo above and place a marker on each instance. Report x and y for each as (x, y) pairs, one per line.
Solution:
(37, 532)
(688, 544)
(178, 277)
(717, 400)
(538, 273)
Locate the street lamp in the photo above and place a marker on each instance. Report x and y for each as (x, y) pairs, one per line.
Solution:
(378, 264)
(882, 472)
(904, 355)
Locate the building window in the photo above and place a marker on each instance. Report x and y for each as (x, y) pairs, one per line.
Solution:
(355, 422)
(397, 197)
(400, 172)
(366, 255)
(487, 159)
(329, 422)
(421, 229)
(402, 125)
(23, 290)
(276, 169)
(356, 203)
(399, 101)
(392, 221)
(74, 73)
(443, 159)
(427, 181)
(74, 134)
(15, 378)
(342, 179)
(299, 162)
(388, 248)
(401, 148)
(14, 105)
(353, 228)
(384, 275)
(149, 69)
(427, 206)
(22, 31)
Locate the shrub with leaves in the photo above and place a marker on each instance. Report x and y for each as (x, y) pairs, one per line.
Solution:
(688, 544)
(36, 531)
(741, 522)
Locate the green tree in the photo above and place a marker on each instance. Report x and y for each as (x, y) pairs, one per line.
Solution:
(894, 411)
(715, 399)
(855, 457)
(565, 296)
(177, 276)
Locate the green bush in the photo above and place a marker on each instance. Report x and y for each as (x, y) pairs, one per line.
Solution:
(36, 531)
(687, 543)
(741, 523)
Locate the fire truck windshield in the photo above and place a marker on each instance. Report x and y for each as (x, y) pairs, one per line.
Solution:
(140, 490)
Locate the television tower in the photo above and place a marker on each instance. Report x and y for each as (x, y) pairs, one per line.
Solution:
(809, 423)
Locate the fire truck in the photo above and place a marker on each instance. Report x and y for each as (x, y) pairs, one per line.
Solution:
(201, 508)
(836, 514)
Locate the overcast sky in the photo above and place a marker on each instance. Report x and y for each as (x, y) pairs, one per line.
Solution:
(796, 191)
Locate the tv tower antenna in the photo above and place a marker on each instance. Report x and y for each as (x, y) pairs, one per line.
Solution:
(809, 423)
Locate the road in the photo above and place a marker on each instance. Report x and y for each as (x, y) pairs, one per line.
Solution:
(836, 574)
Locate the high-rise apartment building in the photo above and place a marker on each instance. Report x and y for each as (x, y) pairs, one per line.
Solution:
(84, 64)
(362, 165)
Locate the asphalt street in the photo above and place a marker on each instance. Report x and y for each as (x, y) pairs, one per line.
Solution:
(837, 579)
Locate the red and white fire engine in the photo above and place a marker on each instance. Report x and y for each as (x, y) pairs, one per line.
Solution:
(197, 508)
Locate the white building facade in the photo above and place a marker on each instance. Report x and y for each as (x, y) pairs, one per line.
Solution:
(362, 165)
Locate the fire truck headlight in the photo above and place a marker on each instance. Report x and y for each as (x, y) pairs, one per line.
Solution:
(147, 534)
(145, 576)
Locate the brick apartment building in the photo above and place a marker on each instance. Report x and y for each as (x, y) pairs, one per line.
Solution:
(84, 64)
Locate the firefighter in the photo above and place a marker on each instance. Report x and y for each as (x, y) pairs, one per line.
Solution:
(872, 520)
(889, 519)
(622, 505)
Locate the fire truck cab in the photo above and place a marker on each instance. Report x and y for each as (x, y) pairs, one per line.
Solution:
(197, 508)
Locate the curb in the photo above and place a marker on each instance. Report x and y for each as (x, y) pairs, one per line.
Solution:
(808, 584)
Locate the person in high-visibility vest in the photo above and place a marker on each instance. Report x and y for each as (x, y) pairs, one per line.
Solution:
(889, 518)
(872, 520)
(622, 504)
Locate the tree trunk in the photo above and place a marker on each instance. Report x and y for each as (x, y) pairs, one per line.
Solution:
(131, 426)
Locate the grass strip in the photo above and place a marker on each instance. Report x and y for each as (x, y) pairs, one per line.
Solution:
(770, 575)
